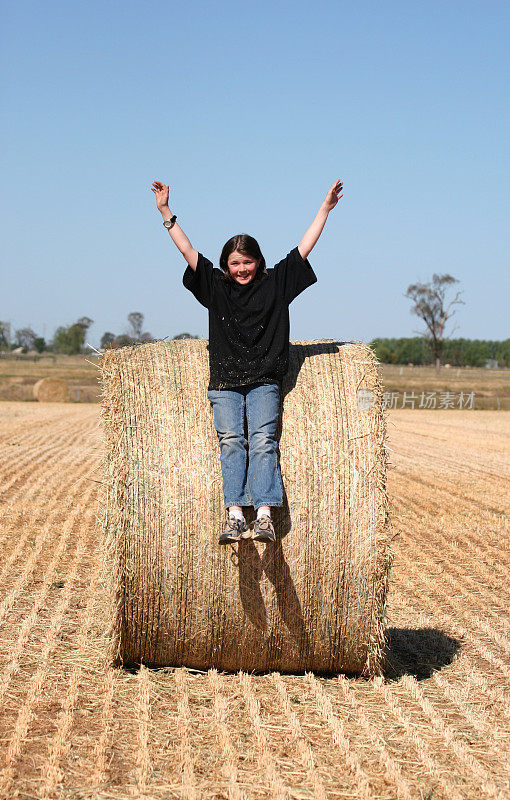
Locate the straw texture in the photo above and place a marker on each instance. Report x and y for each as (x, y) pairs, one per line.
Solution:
(51, 390)
(316, 599)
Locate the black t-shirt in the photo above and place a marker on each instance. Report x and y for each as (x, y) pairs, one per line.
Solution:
(249, 324)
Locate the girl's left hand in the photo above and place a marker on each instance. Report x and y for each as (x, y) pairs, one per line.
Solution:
(333, 196)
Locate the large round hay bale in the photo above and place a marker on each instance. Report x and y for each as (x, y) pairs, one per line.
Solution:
(51, 390)
(316, 599)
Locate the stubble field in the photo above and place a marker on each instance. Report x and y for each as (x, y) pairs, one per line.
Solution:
(435, 726)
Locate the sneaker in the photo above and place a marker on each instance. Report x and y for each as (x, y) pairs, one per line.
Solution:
(233, 530)
(263, 530)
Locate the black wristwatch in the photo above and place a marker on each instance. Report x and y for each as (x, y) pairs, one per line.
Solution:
(169, 223)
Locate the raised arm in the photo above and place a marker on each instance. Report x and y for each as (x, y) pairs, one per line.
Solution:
(179, 238)
(310, 238)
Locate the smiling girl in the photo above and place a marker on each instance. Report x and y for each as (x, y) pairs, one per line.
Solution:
(249, 332)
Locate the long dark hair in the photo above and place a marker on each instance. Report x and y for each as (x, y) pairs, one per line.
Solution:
(248, 246)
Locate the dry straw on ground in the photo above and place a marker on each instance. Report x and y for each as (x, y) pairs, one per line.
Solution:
(436, 727)
(51, 390)
(316, 599)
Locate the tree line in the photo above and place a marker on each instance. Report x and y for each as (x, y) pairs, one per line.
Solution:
(457, 352)
(70, 340)
(417, 350)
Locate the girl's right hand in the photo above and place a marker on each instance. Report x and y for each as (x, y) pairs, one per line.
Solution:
(162, 193)
(334, 195)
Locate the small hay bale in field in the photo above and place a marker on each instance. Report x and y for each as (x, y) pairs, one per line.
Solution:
(316, 599)
(51, 390)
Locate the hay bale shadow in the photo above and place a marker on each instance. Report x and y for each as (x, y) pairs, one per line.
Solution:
(417, 651)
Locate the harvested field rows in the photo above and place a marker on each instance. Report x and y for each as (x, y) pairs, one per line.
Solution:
(436, 726)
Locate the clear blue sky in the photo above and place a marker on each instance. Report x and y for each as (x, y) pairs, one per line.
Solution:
(250, 111)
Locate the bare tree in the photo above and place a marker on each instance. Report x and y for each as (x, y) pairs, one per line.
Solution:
(430, 305)
(24, 337)
(5, 335)
(135, 319)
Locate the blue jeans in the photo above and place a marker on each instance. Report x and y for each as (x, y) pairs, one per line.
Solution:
(250, 469)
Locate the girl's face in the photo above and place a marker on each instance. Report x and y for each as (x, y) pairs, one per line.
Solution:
(242, 268)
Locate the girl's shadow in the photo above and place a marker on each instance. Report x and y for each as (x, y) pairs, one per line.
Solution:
(252, 565)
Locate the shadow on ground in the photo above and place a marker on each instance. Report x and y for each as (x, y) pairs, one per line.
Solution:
(418, 652)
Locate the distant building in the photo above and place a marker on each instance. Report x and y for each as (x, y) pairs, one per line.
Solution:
(491, 363)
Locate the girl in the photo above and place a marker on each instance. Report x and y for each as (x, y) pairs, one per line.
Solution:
(249, 330)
